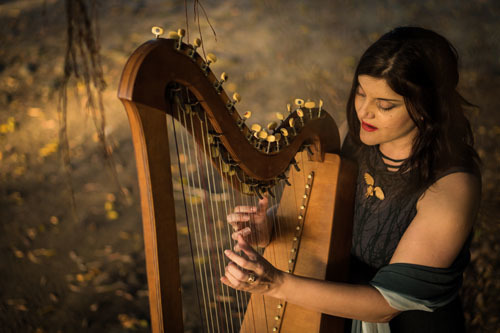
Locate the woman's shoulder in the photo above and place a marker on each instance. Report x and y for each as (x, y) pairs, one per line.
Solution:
(445, 215)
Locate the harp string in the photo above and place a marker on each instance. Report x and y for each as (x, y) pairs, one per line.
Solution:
(202, 239)
(243, 296)
(207, 220)
(195, 217)
(218, 224)
(186, 210)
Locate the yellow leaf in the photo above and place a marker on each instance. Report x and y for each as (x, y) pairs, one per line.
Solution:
(108, 205)
(44, 252)
(34, 112)
(18, 253)
(112, 215)
(19, 171)
(54, 220)
(124, 235)
(48, 149)
(32, 258)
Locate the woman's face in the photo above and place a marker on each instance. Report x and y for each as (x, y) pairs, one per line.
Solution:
(383, 116)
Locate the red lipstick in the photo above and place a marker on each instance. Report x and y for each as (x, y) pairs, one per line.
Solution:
(367, 127)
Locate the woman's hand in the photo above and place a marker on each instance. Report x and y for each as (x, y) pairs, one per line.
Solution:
(251, 222)
(254, 273)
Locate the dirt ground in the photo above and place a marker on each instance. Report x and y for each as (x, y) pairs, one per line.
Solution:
(61, 274)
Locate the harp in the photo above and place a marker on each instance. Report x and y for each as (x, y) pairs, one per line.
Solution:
(197, 159)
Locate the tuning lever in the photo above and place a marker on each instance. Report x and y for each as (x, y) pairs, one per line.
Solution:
(196, 44)
(218, 84)
(236, 99)
(181, 33)
(157, 31)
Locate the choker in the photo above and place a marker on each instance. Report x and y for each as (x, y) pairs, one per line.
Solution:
(388, 158)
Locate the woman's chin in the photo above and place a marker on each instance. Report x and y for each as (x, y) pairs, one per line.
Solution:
(368, 138)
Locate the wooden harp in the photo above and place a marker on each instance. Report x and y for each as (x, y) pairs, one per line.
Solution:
(168, 88)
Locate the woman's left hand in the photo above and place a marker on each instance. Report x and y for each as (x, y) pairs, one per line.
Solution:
(254, 274)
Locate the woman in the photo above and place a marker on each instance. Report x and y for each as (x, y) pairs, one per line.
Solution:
(417, 196)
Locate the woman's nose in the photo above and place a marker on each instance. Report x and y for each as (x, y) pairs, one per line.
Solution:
(365, 110)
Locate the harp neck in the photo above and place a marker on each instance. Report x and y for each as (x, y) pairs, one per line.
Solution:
(159, 63)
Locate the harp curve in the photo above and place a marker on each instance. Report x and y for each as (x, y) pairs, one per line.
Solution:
(158, 62)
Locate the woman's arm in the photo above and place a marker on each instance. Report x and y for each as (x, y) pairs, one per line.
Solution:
(445, 214)
(361, 302)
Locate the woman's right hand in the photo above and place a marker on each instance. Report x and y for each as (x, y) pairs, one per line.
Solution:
(252, 223)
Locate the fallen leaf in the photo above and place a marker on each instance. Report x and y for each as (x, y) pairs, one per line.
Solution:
(112, 215)
(32, 258)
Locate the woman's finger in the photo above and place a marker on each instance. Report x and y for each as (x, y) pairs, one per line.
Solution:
(232, 279)
(237, 217)
(240, 261)
(236, 272)
(244, 232)
(246, 248)
(245, 209)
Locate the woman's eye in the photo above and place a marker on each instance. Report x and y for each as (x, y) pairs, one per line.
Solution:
(385, 107)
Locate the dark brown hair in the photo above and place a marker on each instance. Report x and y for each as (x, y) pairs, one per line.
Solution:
(422, 66)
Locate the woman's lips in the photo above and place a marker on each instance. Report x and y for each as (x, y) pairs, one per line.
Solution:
(367, 127)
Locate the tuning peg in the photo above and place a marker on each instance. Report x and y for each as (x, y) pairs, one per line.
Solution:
(245, 188)
(218, 84)
(214, 151)
(272, 126)
(320, 107)
(299, 102)
(157, 31)
(181, 33)
(262, 135)
(270, 139)
(310, 105)
(284, 132)
(300, 113)
(211, 58)
(253, 130)
(291, 122)
(278, 138)
(246, 116)
(236, 99)
(289, 108)
(280, 117)
(196, 44)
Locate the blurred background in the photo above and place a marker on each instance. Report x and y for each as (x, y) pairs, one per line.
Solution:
(86, 273)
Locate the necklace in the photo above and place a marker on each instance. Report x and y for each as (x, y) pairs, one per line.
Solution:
(388, 158)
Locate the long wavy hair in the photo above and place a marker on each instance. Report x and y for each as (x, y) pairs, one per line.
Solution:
(422, 66)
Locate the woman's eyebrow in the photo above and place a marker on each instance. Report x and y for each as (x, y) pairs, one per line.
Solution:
(389, 100)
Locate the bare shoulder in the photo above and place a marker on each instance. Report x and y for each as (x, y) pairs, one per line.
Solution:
(455, 188)
(445, 216)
